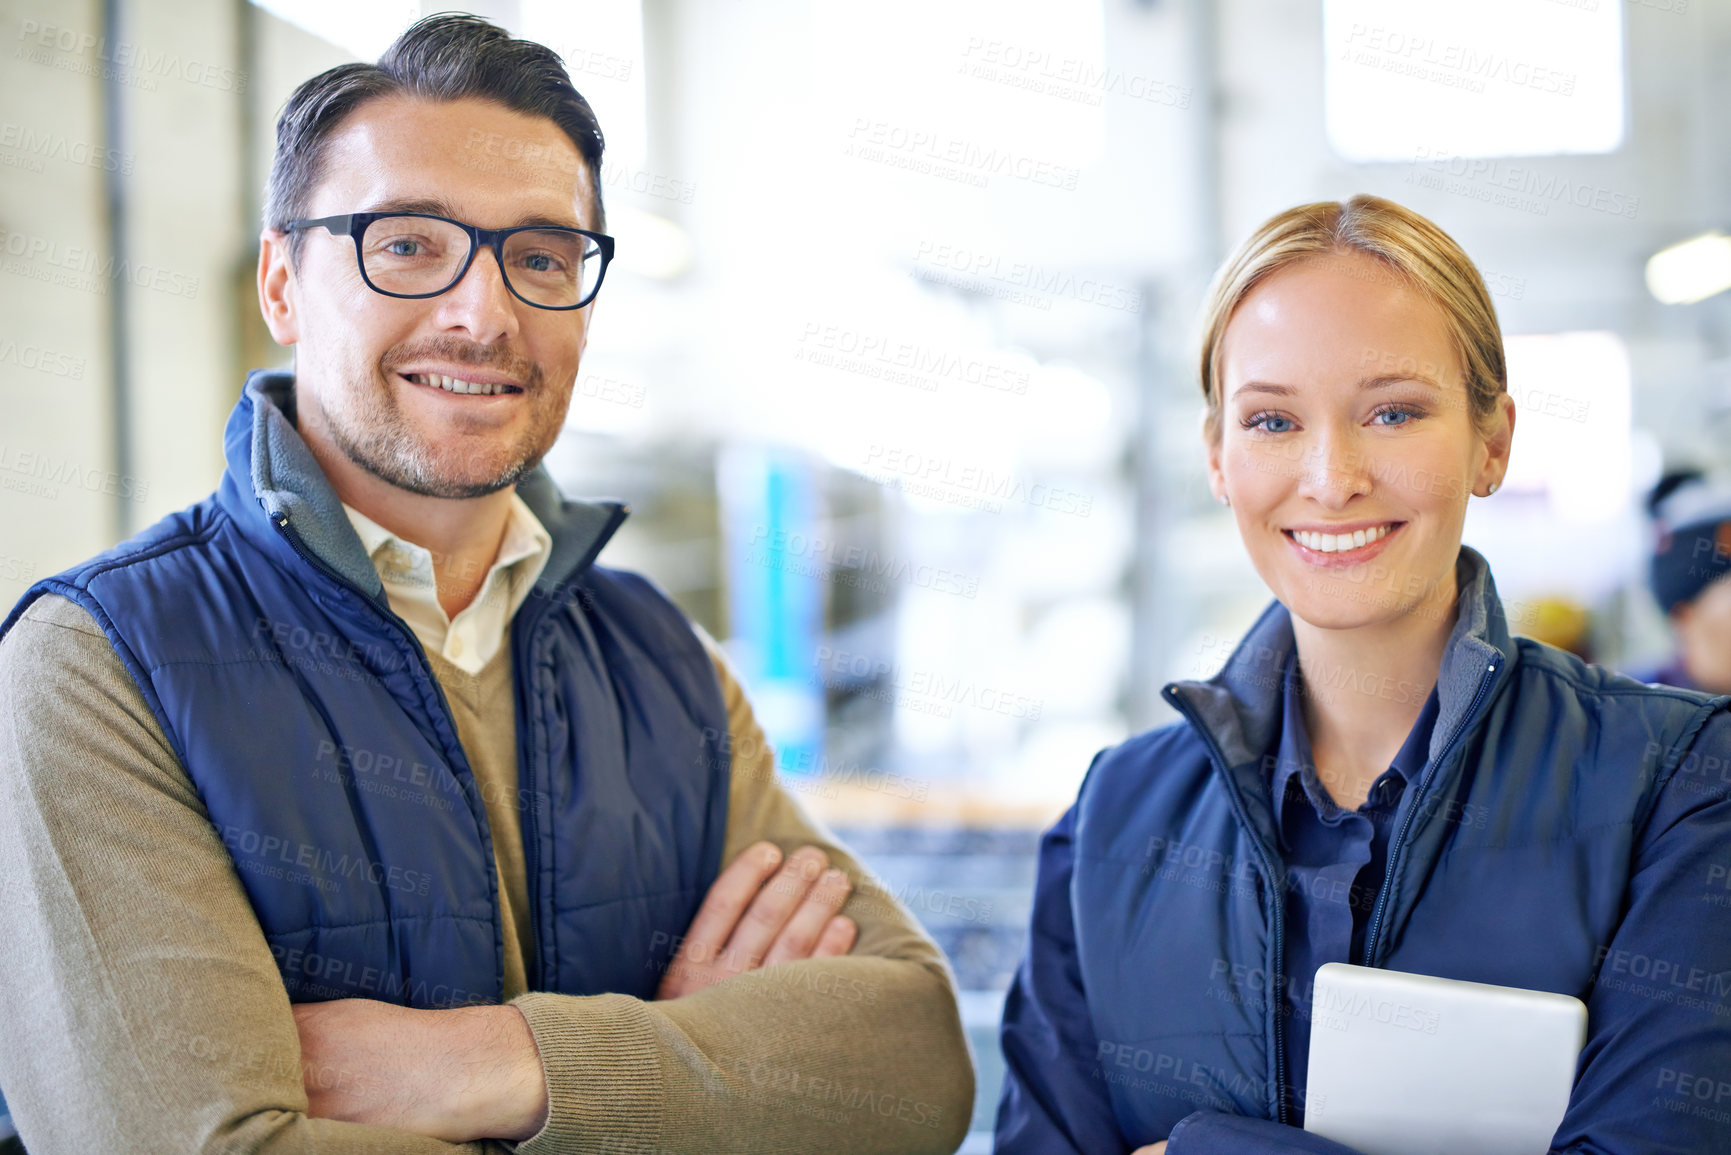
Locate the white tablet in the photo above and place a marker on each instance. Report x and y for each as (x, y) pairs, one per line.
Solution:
(1405, 1064)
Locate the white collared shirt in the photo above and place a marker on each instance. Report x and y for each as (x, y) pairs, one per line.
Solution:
(469, 640)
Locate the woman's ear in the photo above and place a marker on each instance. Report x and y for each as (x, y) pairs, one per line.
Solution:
(1498, 442)
(1216, 476)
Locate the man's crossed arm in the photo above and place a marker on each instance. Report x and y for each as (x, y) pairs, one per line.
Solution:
(141, 1010)
(474, 1073)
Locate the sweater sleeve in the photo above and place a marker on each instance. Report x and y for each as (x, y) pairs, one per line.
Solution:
(140, 1008)
(855, 1054)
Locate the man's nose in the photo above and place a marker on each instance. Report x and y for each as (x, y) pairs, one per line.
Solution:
(480, 303)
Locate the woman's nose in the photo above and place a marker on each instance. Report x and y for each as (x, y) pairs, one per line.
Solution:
(1336, 470)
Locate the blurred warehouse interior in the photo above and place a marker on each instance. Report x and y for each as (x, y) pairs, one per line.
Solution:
(896, 365)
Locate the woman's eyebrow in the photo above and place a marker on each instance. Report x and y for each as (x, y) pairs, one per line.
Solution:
(1264, 387)
(1384, 380)
(1381, 381)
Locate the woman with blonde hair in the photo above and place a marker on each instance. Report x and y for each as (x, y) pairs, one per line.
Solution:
(1380, 774)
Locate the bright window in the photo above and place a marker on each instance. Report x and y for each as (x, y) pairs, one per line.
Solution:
(1408, 79)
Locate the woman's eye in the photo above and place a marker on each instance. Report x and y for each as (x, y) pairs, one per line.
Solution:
(1403, 414)
(1269, 423)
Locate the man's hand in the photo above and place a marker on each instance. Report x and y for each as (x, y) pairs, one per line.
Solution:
(458, 1075)
(756, 916)
(474, 1073)
(1156, 1149)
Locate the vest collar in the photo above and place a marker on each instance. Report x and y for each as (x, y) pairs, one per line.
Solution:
(268, 459)
(1240, 707)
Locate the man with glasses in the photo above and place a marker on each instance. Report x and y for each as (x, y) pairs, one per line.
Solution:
(422, 254)
(355, 808)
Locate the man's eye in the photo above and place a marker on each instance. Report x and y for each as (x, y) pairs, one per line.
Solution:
(406, 247)
(541, 263)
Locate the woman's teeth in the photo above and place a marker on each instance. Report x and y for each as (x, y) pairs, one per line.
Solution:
(1340, 542)
(456, 384)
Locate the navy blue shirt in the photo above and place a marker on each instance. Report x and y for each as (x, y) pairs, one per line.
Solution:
(1334, 863)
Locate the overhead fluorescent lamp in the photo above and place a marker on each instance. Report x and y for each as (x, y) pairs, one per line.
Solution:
(1691, 271)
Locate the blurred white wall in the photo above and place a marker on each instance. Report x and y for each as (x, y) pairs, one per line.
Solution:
(73, 483)
(1028, 193)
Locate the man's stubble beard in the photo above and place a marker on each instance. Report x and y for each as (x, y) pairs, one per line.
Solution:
(386, 445)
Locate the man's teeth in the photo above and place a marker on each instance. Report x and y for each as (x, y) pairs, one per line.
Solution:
(456, 384)
(1339, 542)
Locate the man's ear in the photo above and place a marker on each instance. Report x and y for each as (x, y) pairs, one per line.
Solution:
(277, 288)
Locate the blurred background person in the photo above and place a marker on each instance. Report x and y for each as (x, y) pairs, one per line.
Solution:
(1690, 574)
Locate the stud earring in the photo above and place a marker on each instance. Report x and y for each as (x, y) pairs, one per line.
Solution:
(1492, 489)
(1224, 500)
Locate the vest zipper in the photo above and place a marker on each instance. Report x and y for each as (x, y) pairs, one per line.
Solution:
(281, 521)
(536, 969)
(1277, 893)
(537, 976)
(1396, 845)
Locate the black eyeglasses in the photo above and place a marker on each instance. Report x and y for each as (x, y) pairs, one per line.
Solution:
(416, 255)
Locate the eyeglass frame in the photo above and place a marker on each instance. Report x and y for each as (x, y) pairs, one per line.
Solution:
(354, 226)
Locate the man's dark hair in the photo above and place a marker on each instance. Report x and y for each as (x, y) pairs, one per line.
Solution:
(444, 57)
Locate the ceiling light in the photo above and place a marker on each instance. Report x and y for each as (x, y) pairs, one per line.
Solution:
(1691, 271)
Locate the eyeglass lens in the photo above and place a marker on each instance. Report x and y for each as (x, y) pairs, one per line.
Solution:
(418, 255)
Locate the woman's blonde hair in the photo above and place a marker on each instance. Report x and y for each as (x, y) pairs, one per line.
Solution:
(1417, 255)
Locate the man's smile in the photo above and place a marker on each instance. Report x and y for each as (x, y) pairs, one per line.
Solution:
(471, 382)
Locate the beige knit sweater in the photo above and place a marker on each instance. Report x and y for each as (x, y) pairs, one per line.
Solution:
(140, 1009)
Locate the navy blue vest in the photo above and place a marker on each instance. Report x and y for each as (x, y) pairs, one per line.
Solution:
(309, 721)
(1540, 778)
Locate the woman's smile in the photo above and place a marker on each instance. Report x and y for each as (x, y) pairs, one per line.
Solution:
(1349, 544)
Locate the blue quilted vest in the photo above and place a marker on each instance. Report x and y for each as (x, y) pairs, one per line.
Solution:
(308, 718)
(1542, 770)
